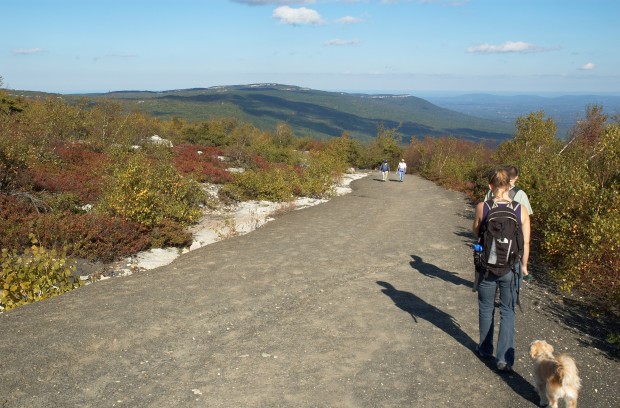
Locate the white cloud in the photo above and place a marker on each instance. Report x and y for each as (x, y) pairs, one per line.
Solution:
(28, 51)
(297, 16)
(509, 46)
(587, 67)
(349, 20)
(339, 42)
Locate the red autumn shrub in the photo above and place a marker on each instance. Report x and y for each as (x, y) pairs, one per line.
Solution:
(169, 234)
(79, 170)
(201, 162)
(88, 236)
(259, 163)
(91, 236)
(15, 216)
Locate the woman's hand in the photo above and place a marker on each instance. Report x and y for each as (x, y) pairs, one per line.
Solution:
(527, 278)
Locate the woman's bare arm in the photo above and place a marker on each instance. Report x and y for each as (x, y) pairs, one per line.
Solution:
(477, 219)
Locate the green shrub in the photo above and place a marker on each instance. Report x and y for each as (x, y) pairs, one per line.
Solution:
(13, 159)
(36, 274)
(9, 104)
(215, 132)
(317, 179)
(150, 192)
(453, 163)
(264, 146)
(274, 184)
(284, 182)
(386, 146)
(581, 230)
(63, 202)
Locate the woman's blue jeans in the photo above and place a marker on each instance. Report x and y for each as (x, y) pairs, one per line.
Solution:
(507, 285)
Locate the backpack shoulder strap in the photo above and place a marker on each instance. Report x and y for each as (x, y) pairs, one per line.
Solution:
(512, 193)
(485, 213)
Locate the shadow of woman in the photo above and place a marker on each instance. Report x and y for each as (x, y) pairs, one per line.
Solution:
(432, 271)
(418, 308)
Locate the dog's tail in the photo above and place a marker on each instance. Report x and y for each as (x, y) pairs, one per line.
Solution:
(567, 372)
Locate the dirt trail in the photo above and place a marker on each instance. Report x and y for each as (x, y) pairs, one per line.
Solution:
(364, 301)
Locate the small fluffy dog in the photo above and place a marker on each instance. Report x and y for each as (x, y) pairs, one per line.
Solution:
(555, 377)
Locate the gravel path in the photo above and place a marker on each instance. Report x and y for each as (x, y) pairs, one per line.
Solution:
(364, 301)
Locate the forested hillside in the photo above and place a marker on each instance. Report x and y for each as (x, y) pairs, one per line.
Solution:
(312, 113)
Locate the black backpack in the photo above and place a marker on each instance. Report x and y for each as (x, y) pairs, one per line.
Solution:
(501, 238)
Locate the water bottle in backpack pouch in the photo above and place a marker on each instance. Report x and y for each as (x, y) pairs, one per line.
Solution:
(477, 265)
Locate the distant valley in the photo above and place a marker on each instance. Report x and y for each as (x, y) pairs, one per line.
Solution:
(565, 110)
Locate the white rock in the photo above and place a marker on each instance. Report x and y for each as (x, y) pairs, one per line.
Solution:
(155, 139)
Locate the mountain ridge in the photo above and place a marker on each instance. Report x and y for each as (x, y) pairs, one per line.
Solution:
(314, 113)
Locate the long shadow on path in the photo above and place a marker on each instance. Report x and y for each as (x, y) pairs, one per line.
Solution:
(417, 307)
(432, 271)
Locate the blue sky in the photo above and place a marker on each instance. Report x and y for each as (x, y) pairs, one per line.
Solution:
(397, 46)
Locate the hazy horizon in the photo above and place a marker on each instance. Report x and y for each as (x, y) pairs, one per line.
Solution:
(422, 94)
(380, 46)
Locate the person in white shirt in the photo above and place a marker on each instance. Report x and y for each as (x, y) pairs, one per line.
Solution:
(402, 169)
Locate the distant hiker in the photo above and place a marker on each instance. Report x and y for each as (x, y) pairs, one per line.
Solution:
(492, 217)
(518, 195)
(402, 169)
(385, 169)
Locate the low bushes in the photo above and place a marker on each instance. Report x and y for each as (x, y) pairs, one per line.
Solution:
(149, 192)
(35, 274)
(453, 163)
(274, 184)
(202, 163)
(314, 177)
(75, 168)
(91, 236)
(83, 235)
